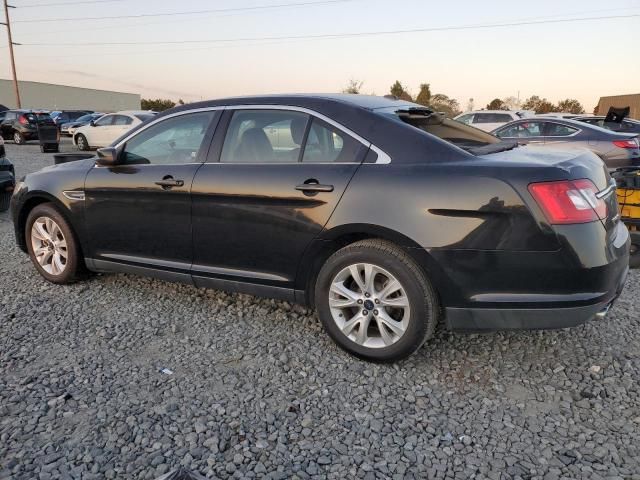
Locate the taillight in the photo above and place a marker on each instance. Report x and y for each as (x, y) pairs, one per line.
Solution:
(630, 143)
(23, 120)
(569, 201)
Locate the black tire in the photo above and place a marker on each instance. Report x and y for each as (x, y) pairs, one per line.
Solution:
(634, 260)
(5, 199)
(423, 300)
(18, 138)
(74, 266)
(82, 143)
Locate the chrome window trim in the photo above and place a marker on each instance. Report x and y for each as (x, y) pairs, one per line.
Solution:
(383, 157)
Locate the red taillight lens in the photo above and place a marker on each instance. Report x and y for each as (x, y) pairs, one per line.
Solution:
(23, 120)
(569, 201)
(631, 143)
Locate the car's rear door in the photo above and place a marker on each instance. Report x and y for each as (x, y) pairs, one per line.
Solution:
(273, 178)
(524, 132)
(138, 213)
(560, 134)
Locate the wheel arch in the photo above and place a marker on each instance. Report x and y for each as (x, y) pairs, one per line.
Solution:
(339, 237)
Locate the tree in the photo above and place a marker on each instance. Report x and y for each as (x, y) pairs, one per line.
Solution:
(497, 104)
(570, 105)
(512, 103)
(596, 109)
(354, 86)
(398, 91)
(539, 105)
(159, 104)
(442, 103)
(424, 95)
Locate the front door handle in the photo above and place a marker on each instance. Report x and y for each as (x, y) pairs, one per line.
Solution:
(314, 188)
(169, 182)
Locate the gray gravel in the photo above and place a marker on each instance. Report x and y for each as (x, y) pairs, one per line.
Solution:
(258, 391)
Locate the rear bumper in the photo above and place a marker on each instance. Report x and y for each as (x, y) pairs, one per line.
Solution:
(491, 319)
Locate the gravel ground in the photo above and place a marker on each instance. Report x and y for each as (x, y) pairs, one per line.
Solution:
(256, 389)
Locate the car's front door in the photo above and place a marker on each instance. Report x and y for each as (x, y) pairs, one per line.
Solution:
(138, 213)
(271, 182)
(98, 131)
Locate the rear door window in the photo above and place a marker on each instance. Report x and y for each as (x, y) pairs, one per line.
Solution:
(522, 130)
(327, 144)
(559, 130)
(122, 120)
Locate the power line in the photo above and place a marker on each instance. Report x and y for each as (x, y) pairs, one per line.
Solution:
(195, 12)
(38, 5)
(342, 35)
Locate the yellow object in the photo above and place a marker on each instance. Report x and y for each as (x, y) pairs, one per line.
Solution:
(629, 201)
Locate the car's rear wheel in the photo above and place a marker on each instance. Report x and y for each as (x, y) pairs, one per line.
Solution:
(375, 302)
(634, 259)
(52, 245)
(81, 142)
(18, 138)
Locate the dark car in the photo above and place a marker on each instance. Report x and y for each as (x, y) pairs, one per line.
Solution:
(22, 125)
(615, 149)
(628, 125)
(63, 116)
(67, 128)
(7, 179)
(384, 215)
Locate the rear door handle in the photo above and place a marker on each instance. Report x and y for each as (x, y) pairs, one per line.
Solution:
(169, 183)
(314, 187)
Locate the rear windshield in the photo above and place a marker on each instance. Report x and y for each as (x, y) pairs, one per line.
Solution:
(471, 139)
(37, 117)
(144, 116)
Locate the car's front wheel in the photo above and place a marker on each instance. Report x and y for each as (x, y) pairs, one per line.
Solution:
(18, 138)
(82, 143)
(375, 302)
(52, 246)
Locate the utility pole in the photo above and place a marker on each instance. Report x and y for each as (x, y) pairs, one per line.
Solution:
(13, 60)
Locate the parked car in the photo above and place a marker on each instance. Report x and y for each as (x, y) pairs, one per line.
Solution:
(628, 125)
(488, 120)
(22, 125)
(69, 128)
(615, 149)
(63, 116)
(386, 216)
(101, 132)
(7, 178)
(559, 115)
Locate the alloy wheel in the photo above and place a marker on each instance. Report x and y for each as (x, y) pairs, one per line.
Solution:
(17, 138)
(369, 305)
(49, 245)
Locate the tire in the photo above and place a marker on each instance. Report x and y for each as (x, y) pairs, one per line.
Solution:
(341, 313)
(5, 199)
(634, 259)
(72, 264)
(18, 138)
(82, 143)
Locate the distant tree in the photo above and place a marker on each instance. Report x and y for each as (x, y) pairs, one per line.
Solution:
(570, 105)
(354, 86)
(496, 104)
(539, 105)
(398, 90)
(159, 104)
(442, 103)
(512, 103)
(424, 95)
(596, 109)
(180, 101)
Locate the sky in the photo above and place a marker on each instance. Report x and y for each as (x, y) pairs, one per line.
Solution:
(555, 59)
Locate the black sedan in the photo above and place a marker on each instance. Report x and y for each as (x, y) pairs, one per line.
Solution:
(385, 216)
(615, 149)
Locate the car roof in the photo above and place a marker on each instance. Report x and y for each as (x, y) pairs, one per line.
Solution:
(569, 122)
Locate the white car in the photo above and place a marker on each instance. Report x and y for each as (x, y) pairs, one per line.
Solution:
(489, 120)
(102, 132)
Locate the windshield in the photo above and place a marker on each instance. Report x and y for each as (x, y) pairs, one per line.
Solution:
(84, 118)
(471, 139)
(144, 116)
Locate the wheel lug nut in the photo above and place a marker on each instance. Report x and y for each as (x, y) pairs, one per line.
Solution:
(367, 294)
(375, 312)
(377, 301)
(364, 312)
(360, 302)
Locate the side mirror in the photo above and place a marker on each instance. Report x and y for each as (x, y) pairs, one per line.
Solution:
(92, 123)
(108, 157)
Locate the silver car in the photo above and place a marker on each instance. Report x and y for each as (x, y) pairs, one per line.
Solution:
(615, 149)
